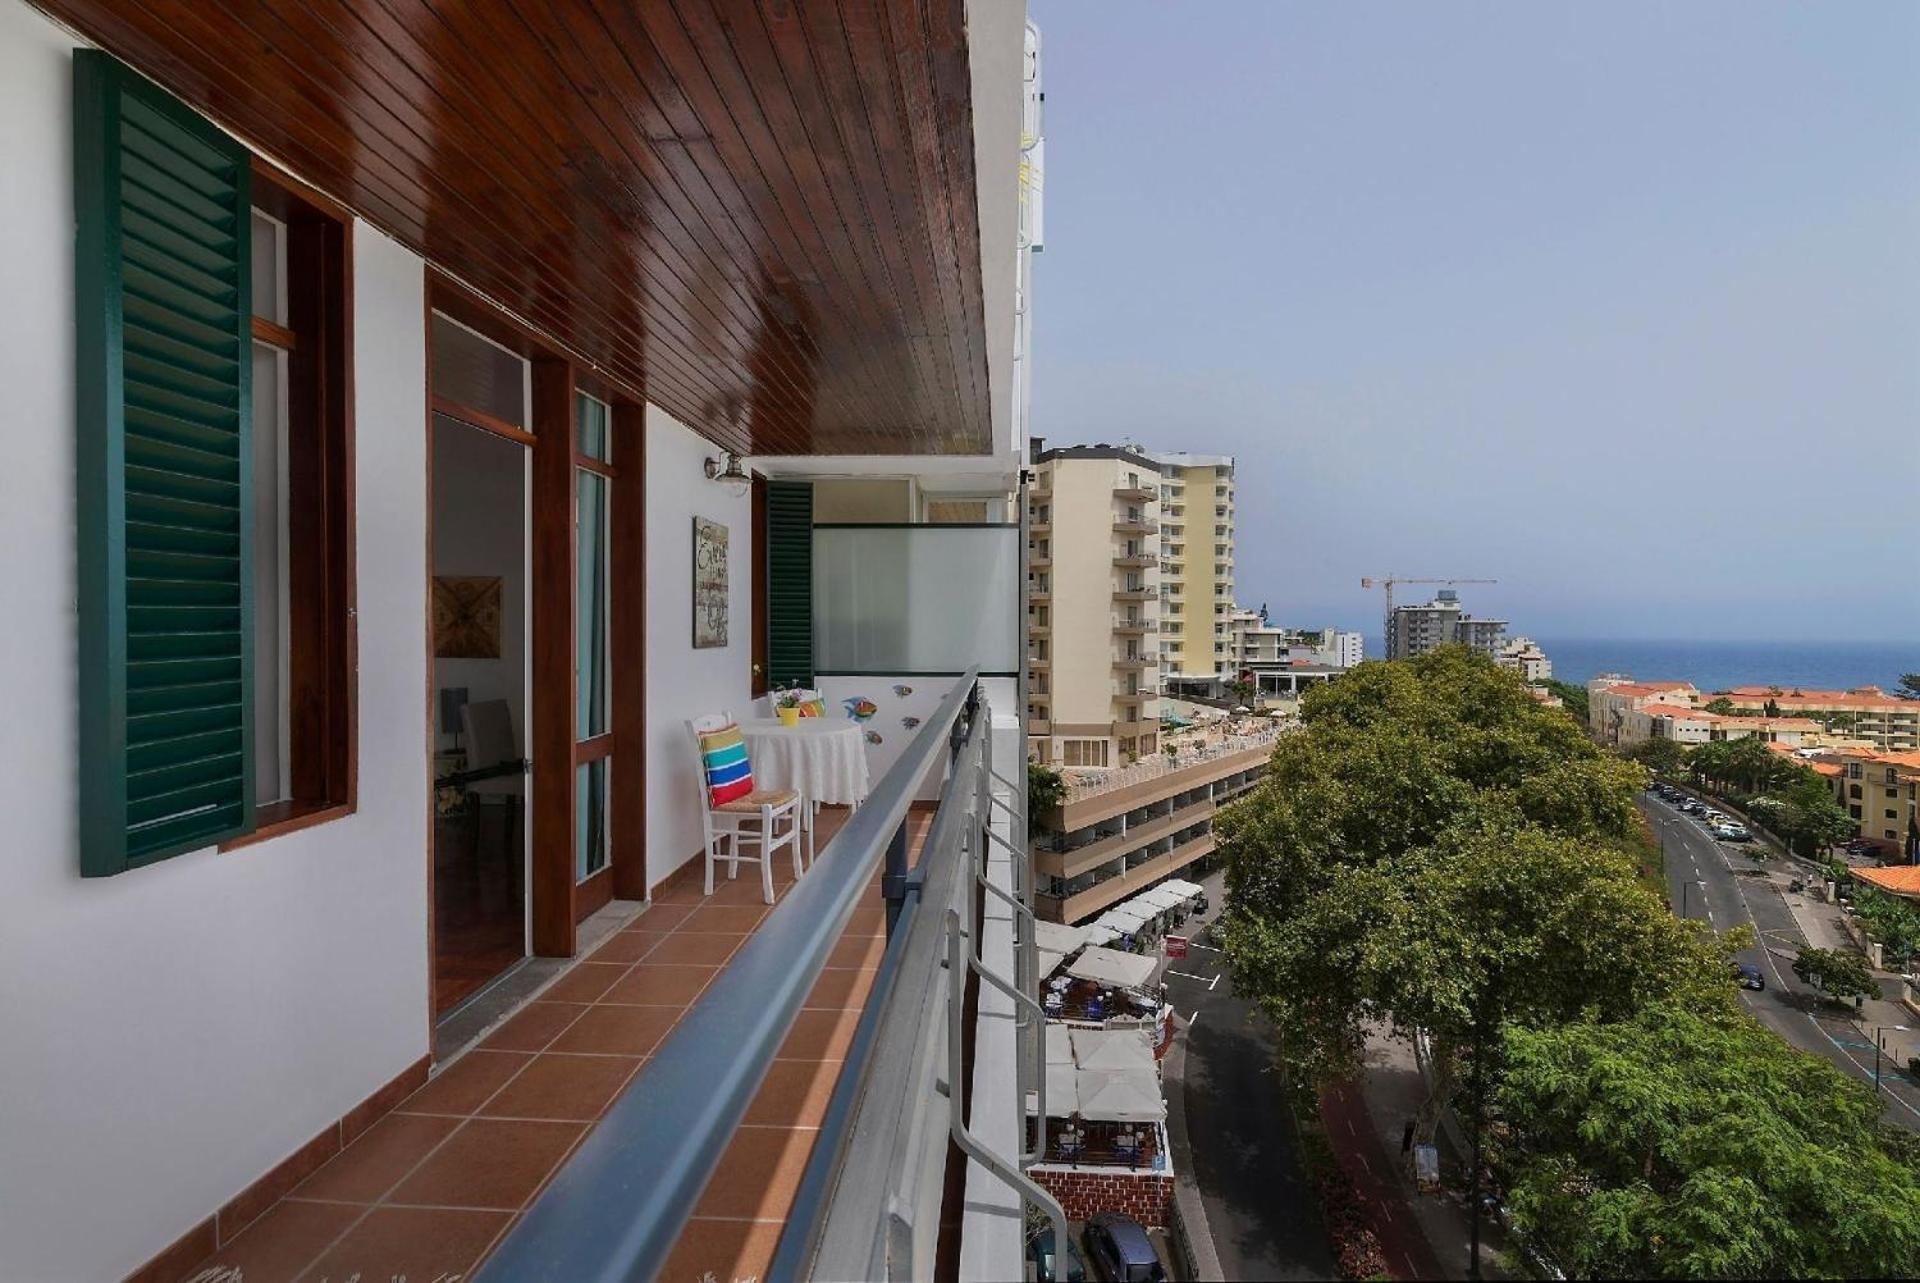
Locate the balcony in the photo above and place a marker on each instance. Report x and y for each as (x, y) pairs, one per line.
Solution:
(1133, 627)
(1039, 664)
(1134, 592)
(1134, 490)
(1036, 526)
(1039, 630)
(1103, 894)
(1128, 525)
(1139, 662)
(1039, 560)
(1039, 592)
(1072, 863)
(1038, 726)
(796, 1100)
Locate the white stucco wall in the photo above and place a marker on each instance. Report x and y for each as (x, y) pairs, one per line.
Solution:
(173, 1032)
(682, 682)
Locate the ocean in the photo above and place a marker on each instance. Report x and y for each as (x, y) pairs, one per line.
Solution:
(1718, 665)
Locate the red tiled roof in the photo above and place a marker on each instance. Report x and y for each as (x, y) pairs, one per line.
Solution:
(1901, 879)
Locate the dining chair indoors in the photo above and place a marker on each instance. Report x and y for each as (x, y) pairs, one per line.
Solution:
(733, 811)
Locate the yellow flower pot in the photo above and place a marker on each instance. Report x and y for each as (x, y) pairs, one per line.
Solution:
(788, 716)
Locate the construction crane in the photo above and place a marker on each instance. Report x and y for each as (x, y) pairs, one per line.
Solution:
(1387, 582)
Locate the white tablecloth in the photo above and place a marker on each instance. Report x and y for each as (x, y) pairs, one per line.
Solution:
(825, 758)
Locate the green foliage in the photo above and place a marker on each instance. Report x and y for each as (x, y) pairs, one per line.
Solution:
(1436, 847)
(1910, 684)
(1045, 790)
(1690, 1144)
(1835, 973)
(1664, 757)
(1574, 697)
(1722, 705)
(1889, 919)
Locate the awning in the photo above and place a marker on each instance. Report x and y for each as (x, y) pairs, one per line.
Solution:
(1159, 899)
(1184, 887)
(1063, 1092)
(1123, 919)
(1115, 1049)
(1059, 1044)
(1112, 967)
(1117, 1095)
(1099, 934)
(1055, 943)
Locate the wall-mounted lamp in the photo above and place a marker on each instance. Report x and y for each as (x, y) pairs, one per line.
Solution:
(727, 470)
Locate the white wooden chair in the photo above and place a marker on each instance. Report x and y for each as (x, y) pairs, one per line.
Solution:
(769, 818)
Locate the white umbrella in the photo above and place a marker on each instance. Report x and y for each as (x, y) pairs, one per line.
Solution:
(1113, 1049)
(1063, 1092)
(1124, 920)
(1159, 899)
(1112, 967)
(1118, 1095)
(1057, 937)
(1184, 887)
(1059, 1045)
(1098, 934)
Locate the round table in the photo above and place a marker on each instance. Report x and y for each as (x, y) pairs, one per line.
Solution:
(824, 759)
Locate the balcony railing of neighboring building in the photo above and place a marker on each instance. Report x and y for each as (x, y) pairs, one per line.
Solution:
(871, 1201)
(1131, 525)
(1133, 592)
(1135, 560)
(1136, 661)
(1091, 784)
(1134, 490)
(1126, 624)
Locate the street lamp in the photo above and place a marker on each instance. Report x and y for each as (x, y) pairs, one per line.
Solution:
(1879, 1044)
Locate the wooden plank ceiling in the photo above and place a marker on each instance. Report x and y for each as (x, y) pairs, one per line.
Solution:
(762, 214)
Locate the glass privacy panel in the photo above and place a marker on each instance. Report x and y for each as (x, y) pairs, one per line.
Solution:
(916, 599)
(590, 818)
(590, 601)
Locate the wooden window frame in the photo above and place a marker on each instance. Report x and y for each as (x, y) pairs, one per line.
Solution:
(322, 633)
(559, 903)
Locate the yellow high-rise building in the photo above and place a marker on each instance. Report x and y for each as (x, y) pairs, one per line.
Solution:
(1093, 608)
(1196, 568)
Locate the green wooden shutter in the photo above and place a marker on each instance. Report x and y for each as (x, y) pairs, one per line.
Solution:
(164, 463)
(789, 536)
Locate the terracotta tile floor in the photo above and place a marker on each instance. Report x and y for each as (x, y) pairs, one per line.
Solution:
(428, 1190)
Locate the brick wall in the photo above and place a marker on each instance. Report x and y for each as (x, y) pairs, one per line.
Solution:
(1145, 1196)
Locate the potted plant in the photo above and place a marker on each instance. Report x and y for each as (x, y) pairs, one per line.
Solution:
(786, 707)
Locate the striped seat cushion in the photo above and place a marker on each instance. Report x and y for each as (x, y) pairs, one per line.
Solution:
(758, 798)
(813, 708)
(723, 754)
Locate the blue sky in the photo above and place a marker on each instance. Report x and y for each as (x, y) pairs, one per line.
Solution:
(1617, 304)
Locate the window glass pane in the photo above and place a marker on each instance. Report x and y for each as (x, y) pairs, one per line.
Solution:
(590, 818)
(594, 417)
(590, 605)
(269, 298)
(270, 747)
(479, 373)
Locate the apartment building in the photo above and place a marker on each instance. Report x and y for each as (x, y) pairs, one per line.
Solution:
(1619, 713)
(1118, 833)
(1889, 723)
(1881, 792)
(1196, 566)
(1524, 656)
(1415, 630)
(1254, 643)
(1094, 611)
(374, 367)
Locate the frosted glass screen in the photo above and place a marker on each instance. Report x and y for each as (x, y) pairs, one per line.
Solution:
(916, 599)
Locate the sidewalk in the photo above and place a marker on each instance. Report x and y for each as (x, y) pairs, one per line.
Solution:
(1825, 927)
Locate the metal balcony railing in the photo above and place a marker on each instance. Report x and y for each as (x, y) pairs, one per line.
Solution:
(870, 1203)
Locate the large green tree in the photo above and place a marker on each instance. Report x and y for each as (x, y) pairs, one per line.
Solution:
(1696, 1144)
(1435, 848)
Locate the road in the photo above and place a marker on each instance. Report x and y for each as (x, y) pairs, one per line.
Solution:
(1261, 1209)
(1728, 892)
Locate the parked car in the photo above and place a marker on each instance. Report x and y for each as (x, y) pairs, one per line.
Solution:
(1749, 976)
(1121, 1250)
(1040, 1252)
(1736, 833)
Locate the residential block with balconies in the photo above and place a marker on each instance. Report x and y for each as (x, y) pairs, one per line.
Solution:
(1093, 617)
